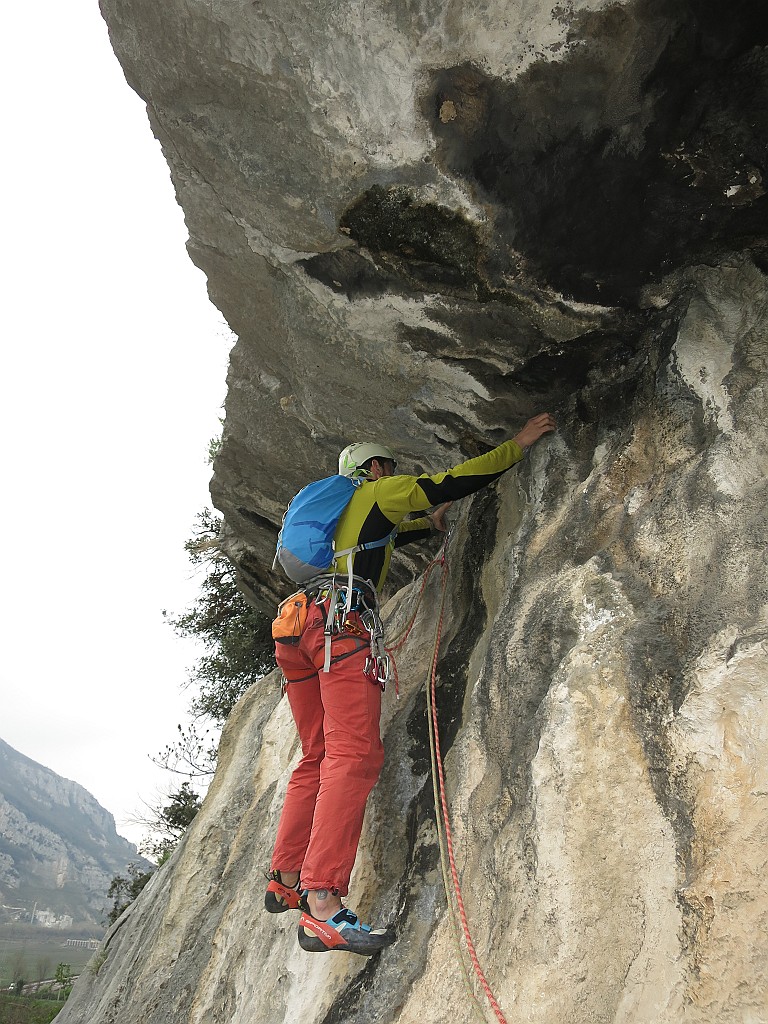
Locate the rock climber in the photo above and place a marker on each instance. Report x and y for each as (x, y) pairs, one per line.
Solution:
(337, 711)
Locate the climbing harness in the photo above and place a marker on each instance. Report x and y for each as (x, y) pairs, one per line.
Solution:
(339, 599)
(442, 818)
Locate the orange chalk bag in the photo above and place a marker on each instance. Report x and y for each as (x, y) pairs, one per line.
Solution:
(291, 619)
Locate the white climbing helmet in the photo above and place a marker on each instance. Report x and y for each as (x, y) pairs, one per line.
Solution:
(355, 454)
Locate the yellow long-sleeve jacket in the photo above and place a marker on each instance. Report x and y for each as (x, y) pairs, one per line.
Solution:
(378, 506)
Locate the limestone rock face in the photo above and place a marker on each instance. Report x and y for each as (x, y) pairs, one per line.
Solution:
(425, 222)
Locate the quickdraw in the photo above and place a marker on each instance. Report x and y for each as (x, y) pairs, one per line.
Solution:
(342, 598)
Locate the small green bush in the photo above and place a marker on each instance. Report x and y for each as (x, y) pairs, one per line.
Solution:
(26, 1010)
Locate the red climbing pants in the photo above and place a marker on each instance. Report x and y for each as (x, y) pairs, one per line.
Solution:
(337, 715)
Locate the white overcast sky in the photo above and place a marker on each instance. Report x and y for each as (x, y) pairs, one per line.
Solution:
(111, 385)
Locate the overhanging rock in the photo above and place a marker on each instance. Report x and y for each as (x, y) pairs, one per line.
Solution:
(424, 223)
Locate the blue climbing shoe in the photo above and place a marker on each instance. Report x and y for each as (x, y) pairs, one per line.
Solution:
(344, 933)
(280, 897)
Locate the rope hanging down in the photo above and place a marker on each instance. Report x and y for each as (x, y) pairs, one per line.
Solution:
(442, 817)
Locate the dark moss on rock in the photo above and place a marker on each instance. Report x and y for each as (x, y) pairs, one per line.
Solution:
(601, 206)
(426, 244)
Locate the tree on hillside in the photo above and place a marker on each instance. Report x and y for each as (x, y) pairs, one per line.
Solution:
(171, 822)
(64, 979)
(123, 891)
(238, 650)
(42, 969)
(168, 825)
(18, 965)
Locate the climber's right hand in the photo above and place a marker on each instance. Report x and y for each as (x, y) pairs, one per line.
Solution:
(544, 423)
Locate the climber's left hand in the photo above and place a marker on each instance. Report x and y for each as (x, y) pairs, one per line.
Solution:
(437, 517)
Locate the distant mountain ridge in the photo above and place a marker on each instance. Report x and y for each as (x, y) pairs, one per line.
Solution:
(59, 848)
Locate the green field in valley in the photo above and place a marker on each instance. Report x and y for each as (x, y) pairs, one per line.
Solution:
(32, 954)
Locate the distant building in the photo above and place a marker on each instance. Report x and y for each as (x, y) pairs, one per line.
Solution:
(48, 919)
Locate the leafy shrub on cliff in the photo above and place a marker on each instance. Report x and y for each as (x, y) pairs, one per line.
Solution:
(167, 825)
(238, 649)
(171, 822)
(124, 890)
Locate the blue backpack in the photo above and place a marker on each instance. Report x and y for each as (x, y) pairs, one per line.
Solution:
(305, 542)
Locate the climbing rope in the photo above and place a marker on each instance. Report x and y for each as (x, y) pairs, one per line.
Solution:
(400, 639)
(439, 559)
(439, 818)
(442, 818)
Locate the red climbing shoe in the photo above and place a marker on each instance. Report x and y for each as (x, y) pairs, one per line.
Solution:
(344, 933)
(280, 897)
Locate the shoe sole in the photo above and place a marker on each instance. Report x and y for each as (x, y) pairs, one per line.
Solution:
(362, 943)
(279, 898)
(275, 906)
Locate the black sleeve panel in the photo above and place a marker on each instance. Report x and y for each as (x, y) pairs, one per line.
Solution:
(452, 488)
